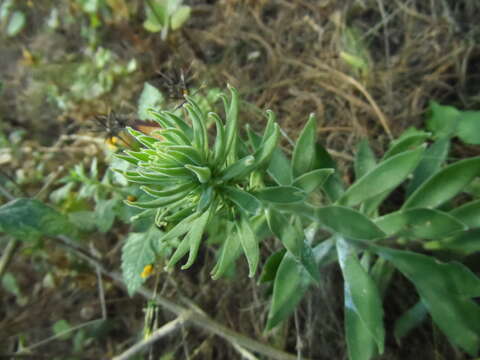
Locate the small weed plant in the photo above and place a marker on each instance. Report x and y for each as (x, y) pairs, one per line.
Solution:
(236, 190)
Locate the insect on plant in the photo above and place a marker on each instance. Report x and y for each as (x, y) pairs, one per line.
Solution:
(114, 125)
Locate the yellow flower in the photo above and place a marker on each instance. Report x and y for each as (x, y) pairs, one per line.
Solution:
(147, 271)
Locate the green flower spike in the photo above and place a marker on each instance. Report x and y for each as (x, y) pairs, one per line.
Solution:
(190, 182)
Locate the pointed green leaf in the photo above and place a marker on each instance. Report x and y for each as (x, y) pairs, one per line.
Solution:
(265, 153)
(308, 182)
(406, 143)
(348, 222)
(291, 283)
(290, 235)
(363, 299)
(409, 320)
(230, 251)
(231, 130)
(280, 194)
(160, 202)
(195, 237)
(168, 191)
(466, 243)
(243, 199)
(384, 177)
(220, 141)
(202, 173)
(446, 290)
(420, 223)
(271, 266)
(445, 184)
(442, 120)
(431, 162)
(468, 213)
(181, 228)
(279, 168)
(303, 158)
(249, 245)
(238, 169)
(469, 127)
(364, 160)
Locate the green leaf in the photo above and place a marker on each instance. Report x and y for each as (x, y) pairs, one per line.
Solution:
(29, 219)
(179, 17)
(469, 214)
(230, 251)
(409, 320)
(384, 177)
(466, 243)
(249, 245)
(202, 173)
(446, 290)
(137, 253)
(469, 127)
(289, 234)
(443, 120)
(293, 238)
(219, 146)
(382, 272)
(195, 237)
(445, 184)
(405, 143)
(291, 283)
(271, 266)
(303, 158)
(348, 222)
(333, 186)
(308, 182)
(160, 202)
(363, 299)
(181, 228)
(105, 214)
(231, 130)
(265, 153)
(364, 160)
(200, 136)
(280, 194)
(16, 23)
(280, 169)
(243, 199)
(238, 169)
(149, 98)
(420, 223)
(431, 162)
(156, 16)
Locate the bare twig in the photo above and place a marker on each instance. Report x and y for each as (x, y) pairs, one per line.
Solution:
(156, 335)
(12, 245)
(197, 319)
(60, 334)
(7, 255)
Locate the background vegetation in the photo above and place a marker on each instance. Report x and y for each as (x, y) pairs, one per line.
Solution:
(367, 69)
